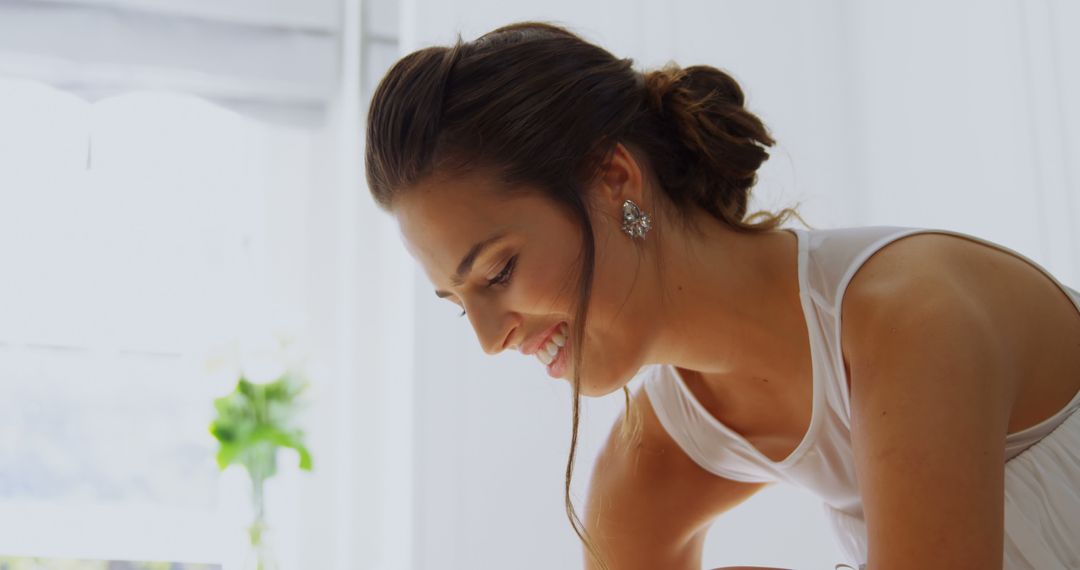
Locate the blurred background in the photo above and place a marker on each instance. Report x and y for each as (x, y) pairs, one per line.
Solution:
(179, 174)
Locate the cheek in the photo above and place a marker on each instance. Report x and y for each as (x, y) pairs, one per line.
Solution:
(540, 290)
(558, 273)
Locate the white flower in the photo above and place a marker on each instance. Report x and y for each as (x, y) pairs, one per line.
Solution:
(260, 357)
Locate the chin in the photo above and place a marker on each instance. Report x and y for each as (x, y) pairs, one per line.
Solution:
(613, 375)
(590, 392)
(607, 386)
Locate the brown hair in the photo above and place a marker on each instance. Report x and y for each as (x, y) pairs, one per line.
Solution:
(542, 108)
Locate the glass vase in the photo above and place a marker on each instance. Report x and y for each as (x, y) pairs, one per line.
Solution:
(260, 553)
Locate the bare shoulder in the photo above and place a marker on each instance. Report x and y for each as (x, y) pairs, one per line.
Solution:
(930, 262)
(920, 269)
(1024, 308)
(1028, 315)
(649, 504)
(927, 259)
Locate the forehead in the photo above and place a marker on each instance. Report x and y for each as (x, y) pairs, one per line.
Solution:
(440, 218)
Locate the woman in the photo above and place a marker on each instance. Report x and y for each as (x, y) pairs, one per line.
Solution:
(595, 216)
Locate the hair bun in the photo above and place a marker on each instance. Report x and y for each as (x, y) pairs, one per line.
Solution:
(701, 108)
(694, 88)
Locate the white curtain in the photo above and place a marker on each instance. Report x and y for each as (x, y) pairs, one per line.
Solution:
(275, 60)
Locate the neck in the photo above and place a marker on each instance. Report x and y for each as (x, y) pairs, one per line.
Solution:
(732, 307)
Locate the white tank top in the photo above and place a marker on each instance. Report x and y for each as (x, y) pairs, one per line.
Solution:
(823, 462)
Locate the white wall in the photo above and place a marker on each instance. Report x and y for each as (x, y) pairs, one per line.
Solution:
(957, 115)
(970, 120)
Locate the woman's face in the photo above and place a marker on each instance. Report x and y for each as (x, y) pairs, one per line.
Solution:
(521, 285)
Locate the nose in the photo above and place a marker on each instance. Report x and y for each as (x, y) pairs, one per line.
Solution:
(494, 328)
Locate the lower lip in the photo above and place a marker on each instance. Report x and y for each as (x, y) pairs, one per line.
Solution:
(558, 366)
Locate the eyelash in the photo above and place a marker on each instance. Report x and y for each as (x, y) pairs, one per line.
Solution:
(503, 278)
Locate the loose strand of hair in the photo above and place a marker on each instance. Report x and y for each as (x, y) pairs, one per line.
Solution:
(631, 426)
(578, 343)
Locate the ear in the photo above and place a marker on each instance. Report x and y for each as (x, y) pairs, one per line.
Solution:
(620, 178)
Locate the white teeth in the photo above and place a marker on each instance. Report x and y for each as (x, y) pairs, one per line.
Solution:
(547, 353)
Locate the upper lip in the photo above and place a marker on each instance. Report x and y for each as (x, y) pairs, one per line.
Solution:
(532, 345)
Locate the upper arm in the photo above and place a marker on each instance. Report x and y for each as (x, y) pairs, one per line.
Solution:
(930, 403)
(649, 505)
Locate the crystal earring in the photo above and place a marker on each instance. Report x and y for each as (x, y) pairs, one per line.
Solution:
(635, 222)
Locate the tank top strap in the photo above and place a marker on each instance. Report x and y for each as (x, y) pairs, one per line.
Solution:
(834, 255)
(831, 259)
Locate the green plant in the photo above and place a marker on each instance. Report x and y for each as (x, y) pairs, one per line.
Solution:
(253, 422)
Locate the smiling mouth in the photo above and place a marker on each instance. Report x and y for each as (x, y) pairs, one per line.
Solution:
(549, 351)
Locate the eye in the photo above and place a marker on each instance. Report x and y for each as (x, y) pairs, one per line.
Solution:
(504, 276)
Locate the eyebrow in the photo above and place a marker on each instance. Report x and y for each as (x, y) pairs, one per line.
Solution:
(466, 264)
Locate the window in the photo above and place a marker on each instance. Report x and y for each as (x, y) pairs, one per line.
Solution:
(133, 236)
